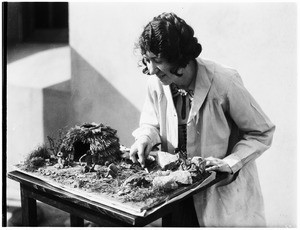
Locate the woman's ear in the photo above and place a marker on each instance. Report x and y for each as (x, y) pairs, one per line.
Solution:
(177, 71)
(180, 71)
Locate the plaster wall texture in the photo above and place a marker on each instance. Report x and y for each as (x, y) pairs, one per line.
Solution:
(95, 99)
(258, 39)
(38, 91)
(24, 130)
(38, 99)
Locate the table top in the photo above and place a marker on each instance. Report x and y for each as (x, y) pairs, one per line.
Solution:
(80, 201)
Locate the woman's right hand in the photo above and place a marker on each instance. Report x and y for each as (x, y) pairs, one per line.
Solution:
(140, 150)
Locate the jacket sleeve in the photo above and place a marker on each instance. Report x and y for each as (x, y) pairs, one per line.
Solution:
(149, 123)
(257, 128)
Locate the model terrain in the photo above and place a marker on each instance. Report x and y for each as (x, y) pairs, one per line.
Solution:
(89, 159)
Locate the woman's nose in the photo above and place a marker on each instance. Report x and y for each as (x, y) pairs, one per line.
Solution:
(152, 68)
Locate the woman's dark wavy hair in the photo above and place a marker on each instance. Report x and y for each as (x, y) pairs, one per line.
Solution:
(170, 38)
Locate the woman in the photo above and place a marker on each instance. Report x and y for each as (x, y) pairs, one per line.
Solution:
(202, 108)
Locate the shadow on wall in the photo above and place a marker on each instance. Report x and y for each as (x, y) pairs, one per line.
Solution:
(22, 50)
(94, 99)
(56, 109)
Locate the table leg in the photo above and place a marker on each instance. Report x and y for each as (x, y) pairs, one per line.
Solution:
(29, 212)
(76, 221)
(166, 220)
(183, 215)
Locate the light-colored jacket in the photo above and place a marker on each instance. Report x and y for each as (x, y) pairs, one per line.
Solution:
(224, 122)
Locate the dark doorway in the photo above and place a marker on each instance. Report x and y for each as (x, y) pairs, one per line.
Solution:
(45, 21)
(50, 15)
(37, 22)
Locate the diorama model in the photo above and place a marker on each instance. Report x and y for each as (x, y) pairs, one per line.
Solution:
(89, 159)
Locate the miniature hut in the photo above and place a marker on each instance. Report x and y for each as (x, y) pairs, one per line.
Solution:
(97, 143)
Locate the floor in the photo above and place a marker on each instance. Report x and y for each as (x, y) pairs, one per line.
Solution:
(49, 216)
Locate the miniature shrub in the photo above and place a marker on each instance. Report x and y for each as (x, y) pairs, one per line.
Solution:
(37, 158)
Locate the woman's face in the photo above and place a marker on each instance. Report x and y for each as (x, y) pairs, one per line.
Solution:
(160, 68)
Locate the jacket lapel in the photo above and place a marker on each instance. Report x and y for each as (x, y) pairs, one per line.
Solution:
(167, 92)
(202, 86)
(172, 121)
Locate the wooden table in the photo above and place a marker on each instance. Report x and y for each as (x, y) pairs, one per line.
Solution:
(80, 208)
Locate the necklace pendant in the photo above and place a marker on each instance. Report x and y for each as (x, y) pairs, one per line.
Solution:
(182, 92)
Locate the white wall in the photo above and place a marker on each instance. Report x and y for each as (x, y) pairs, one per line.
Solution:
(37, 105)
(258, 39)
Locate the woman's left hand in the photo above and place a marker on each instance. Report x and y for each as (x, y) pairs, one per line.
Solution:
(216, 164)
